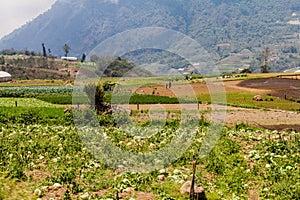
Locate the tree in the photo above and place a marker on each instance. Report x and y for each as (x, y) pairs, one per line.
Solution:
(96, 95)
(264, 60)
(66, 49)
(83, 57)
(44, 50)
(117, 68)
(2, 60)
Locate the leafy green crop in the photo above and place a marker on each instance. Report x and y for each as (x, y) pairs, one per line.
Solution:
(41, 152)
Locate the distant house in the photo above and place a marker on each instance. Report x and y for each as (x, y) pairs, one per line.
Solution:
(69, 58)
(5, 77)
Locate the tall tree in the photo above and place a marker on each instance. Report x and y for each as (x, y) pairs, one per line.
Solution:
(44, 50)
(83, 57)
(66, 49)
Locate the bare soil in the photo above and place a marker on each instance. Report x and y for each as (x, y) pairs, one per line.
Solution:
(280, 87)
(288, 88)
(270, 119)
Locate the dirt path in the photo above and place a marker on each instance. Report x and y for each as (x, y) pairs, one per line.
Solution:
(260, 118)
(269, 119)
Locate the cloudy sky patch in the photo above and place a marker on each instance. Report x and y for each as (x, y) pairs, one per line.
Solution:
(15, 13)
(113, 1)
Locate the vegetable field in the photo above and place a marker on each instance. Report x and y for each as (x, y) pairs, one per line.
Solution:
(48, 160)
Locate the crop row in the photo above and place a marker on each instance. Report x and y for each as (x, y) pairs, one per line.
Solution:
(45, 156)
(33, 91)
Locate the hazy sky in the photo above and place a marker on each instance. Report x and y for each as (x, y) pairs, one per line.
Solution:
(15, 13)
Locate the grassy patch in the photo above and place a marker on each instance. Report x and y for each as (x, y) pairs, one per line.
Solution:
(141, 99)
(25, 102)
(34, 115)
(245, 100)
(12, 189)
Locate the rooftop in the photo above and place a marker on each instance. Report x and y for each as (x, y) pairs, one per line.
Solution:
(4, 74)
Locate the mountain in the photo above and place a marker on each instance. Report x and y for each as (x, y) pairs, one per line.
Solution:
(222, 27)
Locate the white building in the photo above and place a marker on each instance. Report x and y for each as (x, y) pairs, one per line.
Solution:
(5, 77)
(69, 58)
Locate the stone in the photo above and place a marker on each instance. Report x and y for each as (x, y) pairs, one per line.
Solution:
(85, 196)
(161, 177)
(257, 98)
(57, 185)
(186, 187)
(129, 190)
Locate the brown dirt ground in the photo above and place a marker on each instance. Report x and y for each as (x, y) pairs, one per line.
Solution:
(32, 82)
(279, 87)
(202, 88)
(270, 119)
(138, 195)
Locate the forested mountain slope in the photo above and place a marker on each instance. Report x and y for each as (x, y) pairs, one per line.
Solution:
(221, 26)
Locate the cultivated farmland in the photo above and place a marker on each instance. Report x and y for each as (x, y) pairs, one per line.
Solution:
(43, 155)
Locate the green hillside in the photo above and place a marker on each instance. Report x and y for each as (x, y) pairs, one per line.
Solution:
(223, 28)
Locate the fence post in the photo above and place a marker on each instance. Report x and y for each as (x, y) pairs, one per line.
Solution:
(117, 195)
(192, 190)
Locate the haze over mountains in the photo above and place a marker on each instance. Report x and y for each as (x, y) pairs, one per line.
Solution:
(222, 27)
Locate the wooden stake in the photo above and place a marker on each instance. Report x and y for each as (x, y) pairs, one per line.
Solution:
(117, 195)
(192, 191)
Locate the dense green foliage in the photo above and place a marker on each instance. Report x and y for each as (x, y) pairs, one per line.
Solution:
(107, 66)
(63, 95)
(51, 94)
(32, 111)
(23, 115)
(12, 52)
(33, 91)
(42, 151)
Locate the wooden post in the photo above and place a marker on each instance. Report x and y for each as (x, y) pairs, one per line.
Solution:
(117, 195)
(198, 105)
(16, 103)
(138, 106)
(192, 190)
